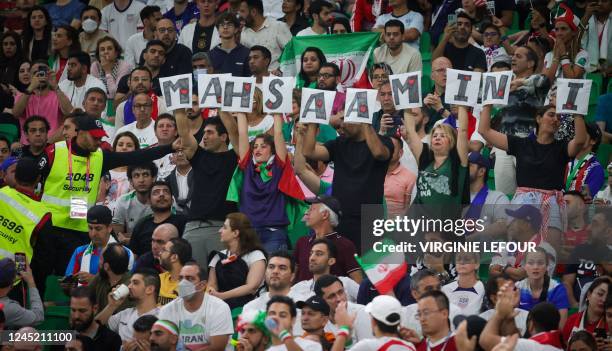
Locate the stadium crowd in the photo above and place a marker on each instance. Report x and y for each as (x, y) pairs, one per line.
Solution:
(144, 228)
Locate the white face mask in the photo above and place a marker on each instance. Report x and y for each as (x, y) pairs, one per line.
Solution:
(186, 289)
(89, 25)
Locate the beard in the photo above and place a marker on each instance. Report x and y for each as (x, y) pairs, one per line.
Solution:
(157, 209)
(82, 326)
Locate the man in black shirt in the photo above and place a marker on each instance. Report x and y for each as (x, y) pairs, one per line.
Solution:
(361, 158)
(178, 55)
(212, 165)
(456, 46)
(35, 129)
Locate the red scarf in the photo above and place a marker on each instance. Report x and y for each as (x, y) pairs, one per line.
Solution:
(552, 338)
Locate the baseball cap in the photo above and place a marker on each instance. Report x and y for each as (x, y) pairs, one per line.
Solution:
(11, 160)
(385, 309)
(27, 170)
(99, 214)
(316, 303)
(328, 201)
(92, 125)
(529, 213)
(477, 158)
(8, 272)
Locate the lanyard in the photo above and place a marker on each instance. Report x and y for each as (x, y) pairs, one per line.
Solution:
(70, 167)
(574, 169)
(443, 346)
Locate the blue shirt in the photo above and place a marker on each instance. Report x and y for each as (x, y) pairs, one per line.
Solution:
(191, 13)
(235, 62)
(602, 114)
(63, 15)
(557, 295)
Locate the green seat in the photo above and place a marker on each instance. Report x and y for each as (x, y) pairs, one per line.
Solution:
(597, 80)
(53, 290)
(610, 87)
(425, 46)
(603, 154)
(515, 21)
(427, 83)
(426, 68)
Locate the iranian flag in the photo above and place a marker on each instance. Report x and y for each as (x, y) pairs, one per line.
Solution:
(383, 269)
(352, 52)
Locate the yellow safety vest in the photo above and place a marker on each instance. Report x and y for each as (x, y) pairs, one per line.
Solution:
(19, 216)
(58, 190)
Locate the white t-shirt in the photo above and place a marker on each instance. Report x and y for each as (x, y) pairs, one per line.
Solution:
(532, 345)
(146, 136)
(305, 288)
(468, 300)
(183, 185)
(262, 127)
(412, 19)
(122, 24)
(249, 258)
(409, 317)
(362, 326)
(133, 48)
(123, 321)
(196, 328)
(305, 345)
(520, 320)
(75, 94)
(581, 60)
(307, 31)
(377, 343)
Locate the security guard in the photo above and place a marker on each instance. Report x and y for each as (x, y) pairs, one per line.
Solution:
(72, 170)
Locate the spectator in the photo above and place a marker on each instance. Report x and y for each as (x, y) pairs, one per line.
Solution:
(322, 218)
(79, 81)
(401, 57)
(35, 129)
(314, 317)
(597, 16)
(230, 56)
(310, 63)
(144, 290)
(143, 127)
(467, 291)
(259, 63)
(137, 43)
(202, 35)
(109, 68)
(161, 235)
(330, 288)
(120, 182)
(181, 183)
(37, 34)
(594, 315)
(456, 46)
(176, 53)
(164, 336)
(11, 57)
(236, 273)
(365, 14)
(195, 122)
(90, 22)
(209, 317)
(134, 205)
(379, 74)
(320, 12)
(264, 31)
(65, 40)
(294, 16)
(434, 100)
(23, 78)
(172, 257)
(80, 343)
(494, 285)
(252, 332)
(15, 315)
(166, 134)
(142, 332)
(385, 313)
(283, 311)
(412, 22)
(438, 23)
(329, 79)
(539, 287)
(433, 315)
(5, 148)
(42, 97)
(160, 199)
(83, 308)
(280, 273)
(113, 272)
(491, 44)
(120, 20)
(340, 25)
(322, 256)
(141, 80)
(65, 12)
(399, 182)
(85, 261)
(584, 173)
(7, 169)
(577, 230)
(605, 196)
(183, 13)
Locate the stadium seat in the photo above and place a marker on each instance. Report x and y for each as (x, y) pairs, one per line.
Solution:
(515, 22)
(53, 290)
(597, 79)
(425, 46)
(603, 154)
(426, 82)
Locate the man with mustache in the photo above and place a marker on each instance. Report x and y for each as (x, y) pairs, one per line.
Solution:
(456, 46)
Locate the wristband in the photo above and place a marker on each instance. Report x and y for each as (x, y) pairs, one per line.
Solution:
(284, 335)
(565, 61)
(345, 329)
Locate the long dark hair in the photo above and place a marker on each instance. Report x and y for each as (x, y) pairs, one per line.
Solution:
(9, 66)
(322, 60)
(73, 36)
(247, 239)
(597, 282)
(28, 32)
(585, 337)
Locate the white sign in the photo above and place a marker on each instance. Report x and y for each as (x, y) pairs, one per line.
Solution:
(573, 96)
(210, 89)
(177, 91)
(238, 94)
(496, 87)
(360, 105)
(278, 94)
(462, 87)
(406, 89)
(316, 105)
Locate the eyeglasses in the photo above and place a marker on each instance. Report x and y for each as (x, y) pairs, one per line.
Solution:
(141, 106)
(380, 77)
(326, 75)
(490, 34)
(424, 314)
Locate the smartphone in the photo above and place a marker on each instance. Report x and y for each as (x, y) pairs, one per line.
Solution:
(601, 333)
(20, 261)
(398, 120)
(452, 18)
(69, 279)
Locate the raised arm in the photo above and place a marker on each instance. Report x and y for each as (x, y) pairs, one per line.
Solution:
(307, 176)
(243, 135)
(232, 129)
(499, 140)
(575, 145)
(411, 136)
(462, 135)
(279, 139)
(311, 149)
(189, 143)
(376, 146)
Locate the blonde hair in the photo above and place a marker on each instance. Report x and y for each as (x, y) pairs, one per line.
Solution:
(448, 130)
(258, 97)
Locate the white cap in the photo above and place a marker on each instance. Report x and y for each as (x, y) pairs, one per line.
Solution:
(382, 309)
